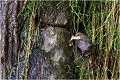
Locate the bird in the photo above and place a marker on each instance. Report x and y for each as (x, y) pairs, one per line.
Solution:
(83, 42)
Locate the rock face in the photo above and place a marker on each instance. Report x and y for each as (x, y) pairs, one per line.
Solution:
(53, 50)
(45, 61)
(40, 67)
(55, 14)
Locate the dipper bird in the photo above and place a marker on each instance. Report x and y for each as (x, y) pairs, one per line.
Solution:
(83, 42)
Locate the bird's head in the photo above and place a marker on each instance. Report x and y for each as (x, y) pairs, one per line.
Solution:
(81, 35)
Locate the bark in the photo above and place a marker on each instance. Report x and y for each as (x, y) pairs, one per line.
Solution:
(9, 36)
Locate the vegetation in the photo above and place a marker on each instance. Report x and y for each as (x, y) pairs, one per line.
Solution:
(99, 21)
(31, 29)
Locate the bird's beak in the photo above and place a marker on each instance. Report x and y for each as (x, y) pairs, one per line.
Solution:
(75, 38)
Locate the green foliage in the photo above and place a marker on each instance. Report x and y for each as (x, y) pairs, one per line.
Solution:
(30, 33)
(100, 19)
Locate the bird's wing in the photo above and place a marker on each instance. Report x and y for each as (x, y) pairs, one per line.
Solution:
(87, 40)
(83, 45)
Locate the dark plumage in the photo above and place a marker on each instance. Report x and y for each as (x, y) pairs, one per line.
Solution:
(84, 43)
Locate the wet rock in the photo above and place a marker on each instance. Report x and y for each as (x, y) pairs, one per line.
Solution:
(53, 50)
(55, 42)
(40, 67)
(50, 39)
(55, 14)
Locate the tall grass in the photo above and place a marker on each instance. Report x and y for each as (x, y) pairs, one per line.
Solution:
(32, 31)
(100, 19)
